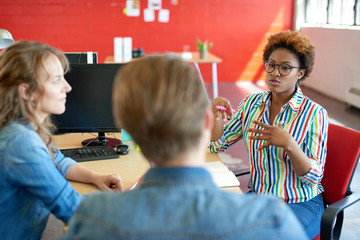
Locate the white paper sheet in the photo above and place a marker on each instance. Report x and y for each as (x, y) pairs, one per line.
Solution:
(149, 15)
(164, 15)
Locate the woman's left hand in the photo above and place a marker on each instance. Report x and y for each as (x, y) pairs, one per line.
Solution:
(273, 135)
(109, 182)
(276, 136)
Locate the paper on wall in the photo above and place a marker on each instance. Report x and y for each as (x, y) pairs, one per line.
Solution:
(149, 15)
(127, 44)
(164, 15)
(132, 8)
(118, 49)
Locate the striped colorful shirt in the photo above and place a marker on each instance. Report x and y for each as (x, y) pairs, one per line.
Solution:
(270, 168)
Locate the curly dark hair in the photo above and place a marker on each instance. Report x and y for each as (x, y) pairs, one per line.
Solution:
(297, 43)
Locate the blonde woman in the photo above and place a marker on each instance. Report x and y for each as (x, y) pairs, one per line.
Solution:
(32, 173)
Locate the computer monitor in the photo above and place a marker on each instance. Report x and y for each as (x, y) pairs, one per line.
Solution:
(89, 103)
(82, 57)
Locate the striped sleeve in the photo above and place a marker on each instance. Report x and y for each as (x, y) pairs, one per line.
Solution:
(315, 149)
(233, 131)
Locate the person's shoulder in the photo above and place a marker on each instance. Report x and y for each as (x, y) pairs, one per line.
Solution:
(308, 101)
(263, 214)
(100, 206)
(19, 134)
(259, 205)
(95, 211)
(311, 104)
(15, 128)
(99, 200)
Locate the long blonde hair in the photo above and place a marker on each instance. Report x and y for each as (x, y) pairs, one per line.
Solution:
(23, 62)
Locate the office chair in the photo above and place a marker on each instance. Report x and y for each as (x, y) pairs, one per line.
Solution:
(343, 151)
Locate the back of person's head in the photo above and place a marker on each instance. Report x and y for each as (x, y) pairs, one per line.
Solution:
(159, 100)
(295, 42)
(23, 62)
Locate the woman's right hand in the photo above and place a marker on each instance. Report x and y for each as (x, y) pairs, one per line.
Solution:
(220, 116)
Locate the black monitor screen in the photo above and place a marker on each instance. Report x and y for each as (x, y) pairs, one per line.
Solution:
(89, 103)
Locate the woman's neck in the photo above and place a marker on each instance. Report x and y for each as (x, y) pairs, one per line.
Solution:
(280, 99)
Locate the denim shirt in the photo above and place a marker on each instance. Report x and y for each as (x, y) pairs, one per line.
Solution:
(182, 203)
(31, 185)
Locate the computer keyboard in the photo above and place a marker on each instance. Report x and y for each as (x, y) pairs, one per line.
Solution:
(90, 153)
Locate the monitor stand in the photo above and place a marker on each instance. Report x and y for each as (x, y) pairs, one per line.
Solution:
(101, 140)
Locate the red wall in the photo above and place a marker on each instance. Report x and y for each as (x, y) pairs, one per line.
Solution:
(238, 28)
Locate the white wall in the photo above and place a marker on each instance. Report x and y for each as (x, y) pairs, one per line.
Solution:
(337, 60)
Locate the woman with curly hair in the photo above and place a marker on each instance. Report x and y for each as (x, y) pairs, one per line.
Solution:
(33, 175)
(285, 132)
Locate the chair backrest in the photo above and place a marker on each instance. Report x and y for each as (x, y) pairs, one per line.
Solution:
(343, 149)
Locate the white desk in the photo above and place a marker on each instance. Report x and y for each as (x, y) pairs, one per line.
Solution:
(130, 167)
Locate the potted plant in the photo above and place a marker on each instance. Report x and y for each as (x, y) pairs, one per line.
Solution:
(203, 48)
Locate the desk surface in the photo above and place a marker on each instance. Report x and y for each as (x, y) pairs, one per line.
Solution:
(130, 167)
(211, 58)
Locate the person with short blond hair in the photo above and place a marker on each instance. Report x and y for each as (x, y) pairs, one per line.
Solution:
(159, 100)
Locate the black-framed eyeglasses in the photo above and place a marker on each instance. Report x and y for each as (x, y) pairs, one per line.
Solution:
(284, 69)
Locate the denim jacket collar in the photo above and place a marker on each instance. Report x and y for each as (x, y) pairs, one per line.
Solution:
(25, 122)
(165, 176)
